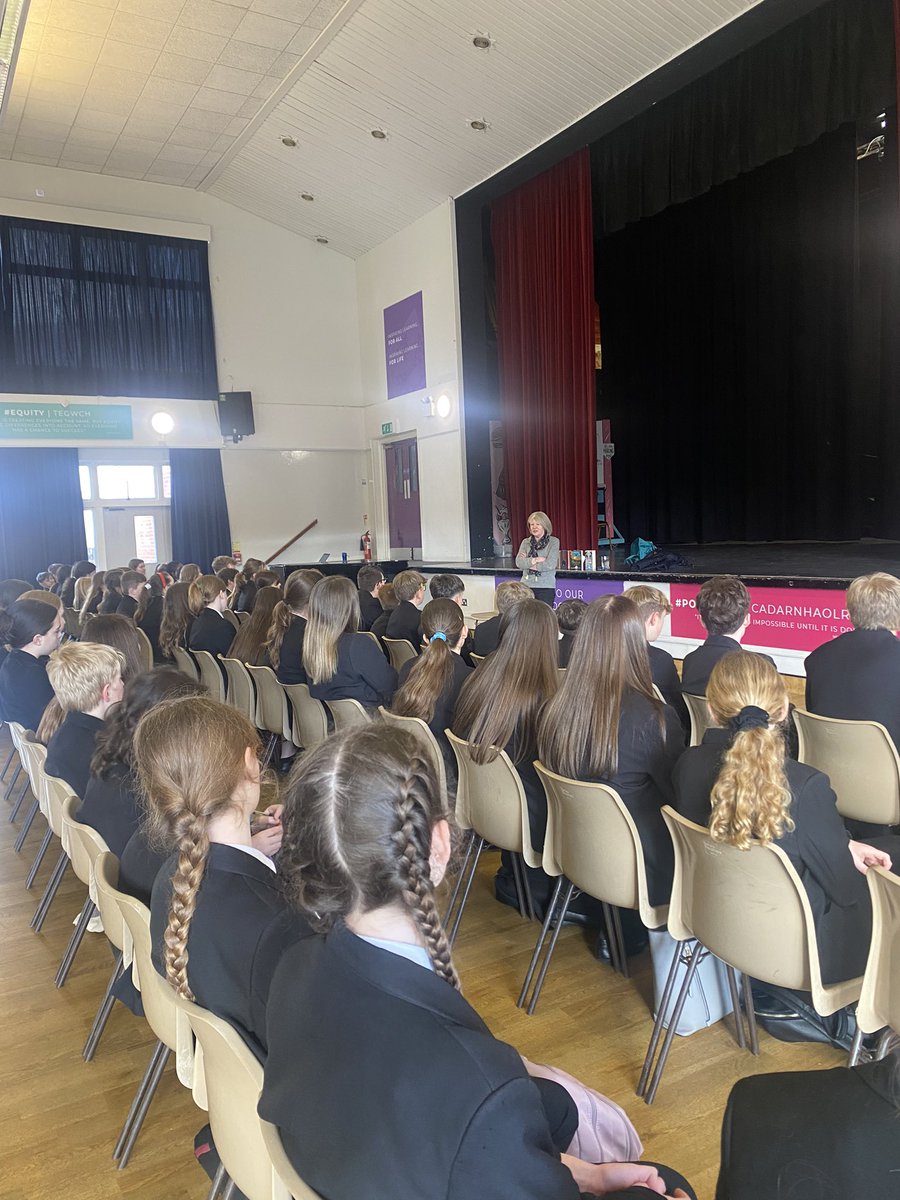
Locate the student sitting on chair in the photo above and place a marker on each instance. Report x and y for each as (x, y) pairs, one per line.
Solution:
(112, 591)
(133, 585)
(210, 631)
(403, 623)
(87, 680)
(369, 582)
(284, 647)
(568, 618)
(654, 608)
(32, 629)
(249, 643)
(387, 598)
(487, 633)
(723, 604)
(177, 620)
(340, 663)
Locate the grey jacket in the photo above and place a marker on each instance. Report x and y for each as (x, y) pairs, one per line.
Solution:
(546, 576)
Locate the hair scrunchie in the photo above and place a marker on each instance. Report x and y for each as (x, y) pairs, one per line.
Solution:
(750, 717)
(439, 636)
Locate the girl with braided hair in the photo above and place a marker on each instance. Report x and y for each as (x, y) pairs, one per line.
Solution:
(383, 1081)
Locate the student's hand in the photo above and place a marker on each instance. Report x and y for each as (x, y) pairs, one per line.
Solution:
(601, 1178)
(268, 840)
(274, 811)
(865, 856)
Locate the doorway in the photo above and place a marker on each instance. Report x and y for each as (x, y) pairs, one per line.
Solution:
(401, 468)
(136, 532)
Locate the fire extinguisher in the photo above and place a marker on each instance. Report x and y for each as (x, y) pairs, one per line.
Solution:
(366, 541)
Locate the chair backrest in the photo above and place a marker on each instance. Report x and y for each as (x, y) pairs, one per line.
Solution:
(16, 732)
(429, 742)
(879, 1001)
(347, 714)
(310, 725)
(233, 1080)
(477, 659)
(146, 648)
(698, 711)
(495, 800)
(33, 755)
(242, 617)
(185, 663)
(210, 675)
(231, 618)
(860, 759)
(113, 922)
(240, 693)
(399, 651)
(592, 839)
(271, 702)
(72, 620)
(373, 636)
(282, 1164)
(56, 792)
(83, 844)
(658, 694)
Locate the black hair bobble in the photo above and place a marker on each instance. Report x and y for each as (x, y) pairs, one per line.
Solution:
(750, 717)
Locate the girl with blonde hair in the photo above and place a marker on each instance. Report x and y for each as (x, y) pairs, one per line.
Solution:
(741, 783)
(341, 663)
(285, 643)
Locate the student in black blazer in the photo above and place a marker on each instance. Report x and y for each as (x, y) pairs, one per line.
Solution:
(285, 645)
(341, 664)
(369, 581)
(568, 617)
(431, 1104)
(32, 629)
(723, 604)
(487, 633)
(133, 585)
(210, 631)
(654, 607)
(87, 680)
(388, 601)
(112, 592)
(148, 617)
(404, 621)
(784, 802)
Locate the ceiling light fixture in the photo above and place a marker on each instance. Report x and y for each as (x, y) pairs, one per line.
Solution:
(12, 26)
(443, 406)
(482, 41)
(379, 135)
(162, 423)
(290, 142)
(323, 241)
(479, 125)
(307, 196)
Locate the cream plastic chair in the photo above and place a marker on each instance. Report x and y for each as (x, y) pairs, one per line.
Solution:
(185, 663)
(17, 733)
(242, 617)
(879, 1001)
(749, 908)
(698, 711)
(117, 931)
(429, 742)
(497, 812)
(478, 659)
(399, 651)
(860, 760)
(55, 792)
(271, 707)
(10, 756)
(310, 720)
(166, 1020)
(240, 693)
(72, 619)
(347, 714)
(146, 648)
(84, 846)
(373, 636)
(282, 1164)
(210, 675)
(33, 756)
(231, 618)
(592, 844)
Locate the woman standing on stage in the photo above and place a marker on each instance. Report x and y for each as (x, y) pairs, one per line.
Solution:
(539, 557)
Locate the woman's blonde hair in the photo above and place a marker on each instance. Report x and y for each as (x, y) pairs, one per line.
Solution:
(542, 519)
(751, 797)
(333, 611)
(190, 759)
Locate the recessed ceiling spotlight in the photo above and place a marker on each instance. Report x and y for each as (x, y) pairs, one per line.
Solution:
(323, 241)
(379, 135)
(306, 196)
(482, 41)
(290, 142)
(479, 125)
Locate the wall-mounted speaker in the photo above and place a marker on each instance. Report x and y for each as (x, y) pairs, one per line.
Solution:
(236, 415)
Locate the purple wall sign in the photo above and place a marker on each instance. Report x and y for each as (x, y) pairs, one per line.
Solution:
(578, 589)
(404, 346)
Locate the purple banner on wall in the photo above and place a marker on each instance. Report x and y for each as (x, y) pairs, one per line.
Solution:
(577, 589)
(404, 346)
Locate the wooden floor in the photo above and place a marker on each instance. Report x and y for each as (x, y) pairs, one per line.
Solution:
(60, 1116)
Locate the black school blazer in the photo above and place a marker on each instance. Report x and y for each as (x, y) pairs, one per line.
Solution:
(70, 750)
(362, 673)
(405, 622)
(697, 666)
(290, 658)
(211, 632)
(25, 690)
(111, 807)
(857, 678)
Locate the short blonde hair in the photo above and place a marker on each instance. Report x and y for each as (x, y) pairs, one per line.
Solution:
(542, 519)
(649, 600)
(873, 601)
(407, 584)
(510, 593)
(79, 671)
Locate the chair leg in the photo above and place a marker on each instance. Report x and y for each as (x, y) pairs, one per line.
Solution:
(888, 1042)
(517, 878)
(143, 1107)
(623, 957)
(530, 914)
(611, 937)
(736, 1007)
(20, 799)
(270, 748)
(138, 1096)
(230, 1190)
(38, 858)
(751, 1015)
(856, 1048)
(9, 759)
(26, 828)
(218, 1180)
(470, 840)
(452, 932)
(696, 955)
(106, 1006)
(50, 891)
(12, 782)
(539, 944)
(658, 1024)
(542, 974)
(75, 941)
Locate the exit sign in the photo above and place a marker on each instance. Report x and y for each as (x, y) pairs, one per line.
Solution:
(387, 427)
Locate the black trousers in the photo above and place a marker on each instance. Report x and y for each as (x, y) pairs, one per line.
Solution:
(545, 595)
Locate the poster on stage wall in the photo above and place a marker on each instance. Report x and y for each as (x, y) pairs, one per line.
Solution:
(780, 618)
(404, 346)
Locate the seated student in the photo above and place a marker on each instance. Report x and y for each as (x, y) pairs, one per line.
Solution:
(369, 582)
(432, 1105)
(111, 804)
(177, 620)
(228, 575)
(217, 894)
(568, 618)
(210, 631)
(132, 585)
(654, 608)
(81, 570)
(223, 562)
(741, 783)
(87, 680)
(605, 725)
(120, 633)
(387, 598)
(45, 580)
(62, 571)
(250, 641)
(487, 633)
(189, 573)
(450, 587)
(137, 564)
(339, 662)
(148, 617)
(92, 603)
(285, 645)
(723, 604)
(409, 588)
(245, 586)
(10, 591)
(267, 578)
(32, 629)
(112, 591)
(82, 591)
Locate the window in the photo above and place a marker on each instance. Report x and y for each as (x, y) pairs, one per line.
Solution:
(126, 483)
(90, 536)
(166, 481)
(84, 478)
(145, 537)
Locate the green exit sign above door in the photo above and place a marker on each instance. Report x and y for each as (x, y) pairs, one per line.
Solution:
(387, 427)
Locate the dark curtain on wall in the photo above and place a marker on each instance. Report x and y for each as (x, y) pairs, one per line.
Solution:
(543, 241)
(41, 513)
(104, 312)
(200, 528)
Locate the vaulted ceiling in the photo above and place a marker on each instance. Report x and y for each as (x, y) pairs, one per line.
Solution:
(201, 94)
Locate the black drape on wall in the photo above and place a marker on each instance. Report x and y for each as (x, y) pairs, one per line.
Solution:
(728, 357)
(200, 528)
(41, 512)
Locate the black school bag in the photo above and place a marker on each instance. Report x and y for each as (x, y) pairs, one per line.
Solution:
(790, 1017)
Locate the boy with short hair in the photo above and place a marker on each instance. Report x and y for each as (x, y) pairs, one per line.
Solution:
(568, 618)
(369, 581)
(409, 587)
(132, 585)
(487, 633)
(654, 607)
(87, 680)
(724, 607)
(221, 561)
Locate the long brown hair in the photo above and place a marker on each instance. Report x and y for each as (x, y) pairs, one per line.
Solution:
(189, 755)
(203, 590)
(115, 741)
(293, 604)
(97, 583)
(333, 611)
(176, 618)
(579, 730)
(360, 810)
(432, 671)
(250, 640)
(751, 797)
(501, 701)
(247, 575)
(111, 629)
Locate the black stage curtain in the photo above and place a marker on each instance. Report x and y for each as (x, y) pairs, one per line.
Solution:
(825, 70)
(728, 357)
(200, 528)
(41, 512)
(104, 312)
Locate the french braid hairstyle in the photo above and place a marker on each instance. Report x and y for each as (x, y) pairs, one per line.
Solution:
(189, 754)
(359, 814)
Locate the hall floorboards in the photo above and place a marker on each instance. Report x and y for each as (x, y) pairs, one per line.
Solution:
(60, 1117)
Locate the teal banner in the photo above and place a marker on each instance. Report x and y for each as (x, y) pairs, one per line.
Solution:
(76, 422)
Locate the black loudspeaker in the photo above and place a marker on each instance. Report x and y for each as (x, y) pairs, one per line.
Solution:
(236, 414)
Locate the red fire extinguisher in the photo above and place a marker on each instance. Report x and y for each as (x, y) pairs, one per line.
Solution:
(367, 546)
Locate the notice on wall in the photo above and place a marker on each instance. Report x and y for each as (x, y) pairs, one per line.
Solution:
(404, 346)
(75, 422)
(781, 618)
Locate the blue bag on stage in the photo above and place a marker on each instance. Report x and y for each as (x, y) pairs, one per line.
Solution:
(639, 549)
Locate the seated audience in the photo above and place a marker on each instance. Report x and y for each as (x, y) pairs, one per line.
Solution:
(87, 680)
(228, 575)
(605, 725)
(112, 591)
(245, 586)
(740, 782)
(285, 645)
(432, 1105)
(387, 598)
(177, 620)
(32, 629)
(148, 617)
(654, 607)
(487, 633)
(723, 604)
(339, 662)
(94, 598)
(210, 631)
(249, 643)
(133, 585)
(189, 573)
(45, 580)
(409, 588)
(62, 572)
(11, 590)
(369, 582)
(568, 618)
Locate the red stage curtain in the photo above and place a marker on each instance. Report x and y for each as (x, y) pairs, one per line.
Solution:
(544, 251)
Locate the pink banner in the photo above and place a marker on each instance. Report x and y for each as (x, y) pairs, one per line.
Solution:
(782, 618)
